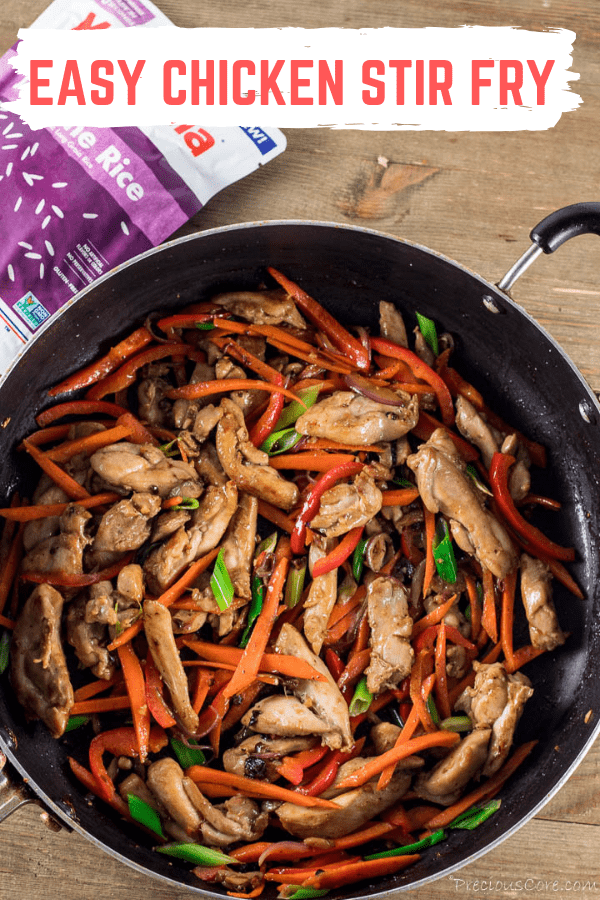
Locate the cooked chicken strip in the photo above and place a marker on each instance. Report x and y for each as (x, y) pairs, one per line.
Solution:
(496, 699)
(391, 628)
(145, 468)
(62, 552)
(239, 544)
(354, 419)
(257, 756)
(39, 673)
(284, 716)
(262, 307)
(247, 466)
(165, 653)
(473, 426)
(167, 523)
(324, 698)
(346, 506)
(357, 807)
(536, 592)
(391, 324)
(447, 780)
(322, 595)
(165, 780)
(207, 527)
(444, 487)
(87, 632)
(125, 526)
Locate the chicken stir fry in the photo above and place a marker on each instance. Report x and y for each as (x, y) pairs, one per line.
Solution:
(278, 567)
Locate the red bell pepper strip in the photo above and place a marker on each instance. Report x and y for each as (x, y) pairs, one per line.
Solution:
(89, 444)
(318, 315)
(90, 783)
(157, 705)
(507, 616)
(292, 767)
(327, 774)
(499, 469)
(79, 408)
(334, 663)
(127, 374)
(267, 422)
(339, 554)
(429, 554)
(138, 433)
(106, 364)
(310, 506)
(422, 371)
(119, 742)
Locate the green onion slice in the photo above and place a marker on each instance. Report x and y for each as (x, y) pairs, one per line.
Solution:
(144, 814)
(295, 583)
(429, 332)
(443, 552)
(474, 817)
(168, 448)
(196, 853)
(306, 893)
(187, 756)
(402, 482)
(220, 583)
(205, 326)
(456, 723)
(267, 546)
(187, 503)
(76, 722)
(435, 716)
(294, 410)
(428, 841)
(281, 441)
(358, 559)
(361, 699)
(256, 604)
(472, 471)
(4, 651)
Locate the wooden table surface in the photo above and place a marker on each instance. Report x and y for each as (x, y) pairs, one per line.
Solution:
(473, 197)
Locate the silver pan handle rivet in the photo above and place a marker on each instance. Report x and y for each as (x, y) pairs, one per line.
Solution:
(491, 305)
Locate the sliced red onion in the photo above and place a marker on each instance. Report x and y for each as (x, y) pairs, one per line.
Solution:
(283, 846)
(374, 392)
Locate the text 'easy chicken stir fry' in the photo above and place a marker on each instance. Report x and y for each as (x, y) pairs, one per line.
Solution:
(270, 572)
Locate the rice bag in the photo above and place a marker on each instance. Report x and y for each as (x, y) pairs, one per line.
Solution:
(75, 202)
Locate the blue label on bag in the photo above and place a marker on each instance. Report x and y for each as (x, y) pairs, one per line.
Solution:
(258, 137)
(30, 309)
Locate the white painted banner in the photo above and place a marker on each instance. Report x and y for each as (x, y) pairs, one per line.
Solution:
(452, 79)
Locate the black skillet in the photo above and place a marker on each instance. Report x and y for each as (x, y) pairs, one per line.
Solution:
(525, 377)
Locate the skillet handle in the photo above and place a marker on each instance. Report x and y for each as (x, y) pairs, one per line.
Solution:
(553, 231)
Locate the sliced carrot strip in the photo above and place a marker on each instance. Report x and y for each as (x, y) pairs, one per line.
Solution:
(106, 364)
(400, 498)
(310, 462)
(170, 596)
(96, 687)
(488, 619)
(71, 487)
(99, 705)
(79, 408)
(204, 775)
(507, 617)
(441, 680)
(29, 513)
(377, 764)
(225, 385)
(429, 555)
(275, 516)
(248, 666)
(269, 662)
(11, 564)
(88, 444)
(136, 690)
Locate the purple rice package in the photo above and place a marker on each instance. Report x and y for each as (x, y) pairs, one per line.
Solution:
(75, 202)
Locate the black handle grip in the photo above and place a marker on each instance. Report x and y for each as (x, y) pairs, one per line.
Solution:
(566, 223)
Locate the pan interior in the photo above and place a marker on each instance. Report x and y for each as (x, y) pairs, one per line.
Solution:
(524, 377)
